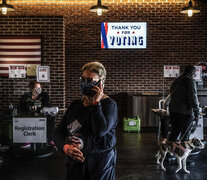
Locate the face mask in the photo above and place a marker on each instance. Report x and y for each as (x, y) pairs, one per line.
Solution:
(86, 88)
(38, 90)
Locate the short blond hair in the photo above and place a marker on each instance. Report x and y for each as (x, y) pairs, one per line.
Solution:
(96, 67)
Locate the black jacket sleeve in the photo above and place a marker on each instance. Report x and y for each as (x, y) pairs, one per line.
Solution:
(61, 131)
(193, 97)
(104, 118)
(46, 102)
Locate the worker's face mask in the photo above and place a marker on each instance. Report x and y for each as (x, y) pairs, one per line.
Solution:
(38, 90)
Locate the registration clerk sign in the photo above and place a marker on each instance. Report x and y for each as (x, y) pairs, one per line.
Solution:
(130, 35)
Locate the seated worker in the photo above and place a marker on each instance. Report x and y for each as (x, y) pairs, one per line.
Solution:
(32, 103)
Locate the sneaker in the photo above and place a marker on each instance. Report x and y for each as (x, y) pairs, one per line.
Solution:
(26, 146)
(52, 143)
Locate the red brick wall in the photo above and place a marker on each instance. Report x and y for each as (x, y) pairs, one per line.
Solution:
(172, 39)
(52, 32)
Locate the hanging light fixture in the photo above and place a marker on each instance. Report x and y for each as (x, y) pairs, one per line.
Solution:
(4, 7)
(190, 10)
(99, 9)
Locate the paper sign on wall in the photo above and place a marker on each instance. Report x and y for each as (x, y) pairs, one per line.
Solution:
(43, 73)
(171, 71)
(198, 75)
(17, 71)
(31, 70)
(123, 35)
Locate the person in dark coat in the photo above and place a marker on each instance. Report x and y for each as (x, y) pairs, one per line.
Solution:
(184, 106)
(31, 103)
(86, 133)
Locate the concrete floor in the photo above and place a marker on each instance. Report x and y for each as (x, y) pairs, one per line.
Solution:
(136, 161)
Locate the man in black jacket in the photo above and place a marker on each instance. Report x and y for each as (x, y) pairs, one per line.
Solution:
(184, 106)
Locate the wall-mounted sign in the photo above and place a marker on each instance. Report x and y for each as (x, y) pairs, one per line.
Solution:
(17, 71)
(171, 71)
(43, 74)
(125, 35)
(198, 75)
(29, 130)
(31, 70)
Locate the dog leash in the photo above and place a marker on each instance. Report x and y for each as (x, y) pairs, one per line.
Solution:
(190, 126)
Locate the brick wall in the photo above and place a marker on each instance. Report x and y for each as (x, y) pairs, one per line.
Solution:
(52, 32)
(172, 39)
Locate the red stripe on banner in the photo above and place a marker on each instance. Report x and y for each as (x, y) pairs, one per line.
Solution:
(16, 50)
(20, 50)
(20, 56)
(18, 37)
(102, 44)
(3, 74)
(106, 28)
(19, 62)
(20, 44)
(4, 68)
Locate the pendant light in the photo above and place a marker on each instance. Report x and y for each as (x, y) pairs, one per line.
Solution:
(4, 7)
(190, 10)
(99, 9)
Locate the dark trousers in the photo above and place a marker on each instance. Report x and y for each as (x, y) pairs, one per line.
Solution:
(97, 166)
(165, 121)
(181, 125)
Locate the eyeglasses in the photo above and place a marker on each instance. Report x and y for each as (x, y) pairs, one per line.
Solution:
(88, 80)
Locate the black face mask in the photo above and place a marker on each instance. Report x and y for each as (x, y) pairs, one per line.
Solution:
(86, 87)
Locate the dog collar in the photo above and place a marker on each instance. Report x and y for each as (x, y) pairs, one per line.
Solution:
(190, 145)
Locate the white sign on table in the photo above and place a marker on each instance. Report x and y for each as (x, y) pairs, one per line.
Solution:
(29, 130)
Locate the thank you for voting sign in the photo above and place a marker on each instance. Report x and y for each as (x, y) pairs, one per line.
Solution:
(129, 35)
(29, 130)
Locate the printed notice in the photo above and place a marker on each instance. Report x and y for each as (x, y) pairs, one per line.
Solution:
(17, 71)
(171, 71)
(198, 75)
(43, 73)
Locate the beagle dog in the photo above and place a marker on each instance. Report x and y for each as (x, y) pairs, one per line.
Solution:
(180, 150)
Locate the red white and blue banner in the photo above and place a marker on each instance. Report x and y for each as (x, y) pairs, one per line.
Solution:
(124, 35)
(19, 51)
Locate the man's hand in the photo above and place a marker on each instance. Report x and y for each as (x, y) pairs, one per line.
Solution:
(73, 152)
